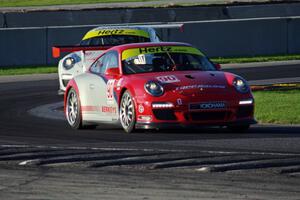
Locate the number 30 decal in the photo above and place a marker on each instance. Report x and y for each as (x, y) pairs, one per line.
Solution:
(168, 79)
(110, 91)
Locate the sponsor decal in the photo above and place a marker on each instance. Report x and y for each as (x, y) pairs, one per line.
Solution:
(141, 109)
(144, 118)
(92, 55)
(160, 49)
(188, 87)
(110, 32)
(140, 60)
(119, 83)
(208, 105)
(129, 53)
(168, 79)
(105, 109)
(105, 32)
(89, 108)
(110, 91)
(179, 101)
(109, 109)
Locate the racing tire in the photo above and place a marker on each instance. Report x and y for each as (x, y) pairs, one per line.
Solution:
(73, 110)
(127, 113)
(239, 128)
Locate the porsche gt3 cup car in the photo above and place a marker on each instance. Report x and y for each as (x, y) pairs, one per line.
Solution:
(92, 45)
(157, 85)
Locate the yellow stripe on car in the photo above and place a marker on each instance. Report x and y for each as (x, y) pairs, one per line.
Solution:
(105, 32)
(128, 53)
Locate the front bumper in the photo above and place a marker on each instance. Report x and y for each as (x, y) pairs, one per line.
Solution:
(211, 108)
(168, 125)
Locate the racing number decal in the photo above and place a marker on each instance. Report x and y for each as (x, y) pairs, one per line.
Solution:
(168, 79)
(110, 91)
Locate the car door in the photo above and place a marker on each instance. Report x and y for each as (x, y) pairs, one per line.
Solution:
(100, 91)
(110, 103)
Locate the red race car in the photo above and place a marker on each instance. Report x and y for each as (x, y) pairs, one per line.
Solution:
(158, 85)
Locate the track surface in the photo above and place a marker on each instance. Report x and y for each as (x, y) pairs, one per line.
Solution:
(264, 158)
(17, 126)
(268, 72)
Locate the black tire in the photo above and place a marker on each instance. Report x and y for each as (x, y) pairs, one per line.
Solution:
(127, 112)
(239, 128)
(73, 110)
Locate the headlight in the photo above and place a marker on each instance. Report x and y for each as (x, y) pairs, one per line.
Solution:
(240, 85)
(154, 88)
(69, 63)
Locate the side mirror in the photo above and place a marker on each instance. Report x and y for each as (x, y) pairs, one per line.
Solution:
(113, 71)
(218, 66)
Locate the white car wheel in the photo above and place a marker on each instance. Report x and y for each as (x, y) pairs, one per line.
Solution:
(127, 112)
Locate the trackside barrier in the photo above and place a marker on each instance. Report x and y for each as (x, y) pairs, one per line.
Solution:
(218, 38)
(236, 37)
(31, 17)
(267, 10)
(1, 20)
(23, 47)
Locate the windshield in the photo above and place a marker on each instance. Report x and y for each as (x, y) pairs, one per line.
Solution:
(113, 40)
(135, 61)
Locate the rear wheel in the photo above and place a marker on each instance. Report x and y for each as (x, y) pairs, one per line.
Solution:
(127, 112)
(73, 110)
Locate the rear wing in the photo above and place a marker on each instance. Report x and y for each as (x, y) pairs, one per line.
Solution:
(57, 50)
(165, 26)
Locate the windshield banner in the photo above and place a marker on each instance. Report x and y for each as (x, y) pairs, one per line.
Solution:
(128, 53)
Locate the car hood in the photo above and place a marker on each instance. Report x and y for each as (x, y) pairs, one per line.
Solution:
(187, 82)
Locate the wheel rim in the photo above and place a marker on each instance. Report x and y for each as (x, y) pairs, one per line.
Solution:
(72, 108)
(126, 111)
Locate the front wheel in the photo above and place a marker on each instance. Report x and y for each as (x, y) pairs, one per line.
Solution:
(127, 112)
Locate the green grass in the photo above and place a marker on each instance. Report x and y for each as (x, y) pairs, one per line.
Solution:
(281, 107)
(256, 59)
(18, 3)
(27, 70)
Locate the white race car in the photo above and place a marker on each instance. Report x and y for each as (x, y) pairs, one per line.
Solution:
(93, 44)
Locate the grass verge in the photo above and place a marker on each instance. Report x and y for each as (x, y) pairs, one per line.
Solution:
(280, 107)
(6, 71)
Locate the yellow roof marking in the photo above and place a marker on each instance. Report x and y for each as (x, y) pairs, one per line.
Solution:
(128, 53)
(105, 32)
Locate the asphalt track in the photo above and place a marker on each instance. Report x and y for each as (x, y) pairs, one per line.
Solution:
(37, 143)
(18, 127)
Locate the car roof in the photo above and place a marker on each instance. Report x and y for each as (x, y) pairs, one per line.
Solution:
(139, 30)
(112, 27)
(148, 44)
